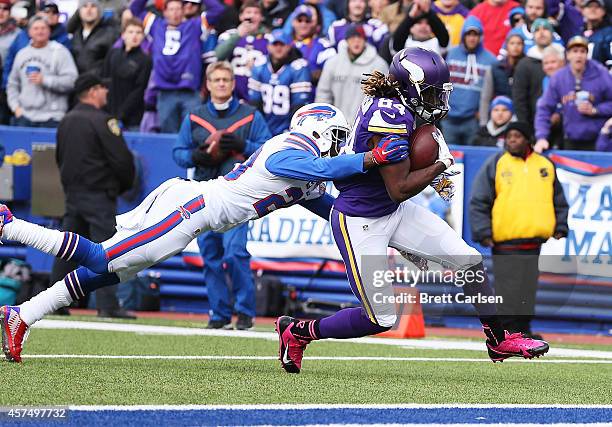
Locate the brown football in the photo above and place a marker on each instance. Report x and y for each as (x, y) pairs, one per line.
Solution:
(423, 147)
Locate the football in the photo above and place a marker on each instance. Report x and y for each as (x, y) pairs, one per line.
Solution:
(423, 147)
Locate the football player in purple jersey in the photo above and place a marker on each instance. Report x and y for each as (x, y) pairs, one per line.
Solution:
(373, 211)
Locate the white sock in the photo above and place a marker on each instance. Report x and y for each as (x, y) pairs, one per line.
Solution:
(49, 300)
(33, 235)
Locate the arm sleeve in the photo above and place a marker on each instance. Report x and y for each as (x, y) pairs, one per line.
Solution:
(212, 14)
(481, 203)
(8, 61)
(438, 28)
(324, 92)
(402, 32)
(12, 89)
(183, 146)
(545, 107)
(604, 107)
(67, 74)
(320, 206)
(258, 134)
(137, 7)
(255, 88)
(561, 208)
(119, 156)
(485, 97)
(302, 165)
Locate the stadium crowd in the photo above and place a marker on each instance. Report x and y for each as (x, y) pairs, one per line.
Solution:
(545, 62)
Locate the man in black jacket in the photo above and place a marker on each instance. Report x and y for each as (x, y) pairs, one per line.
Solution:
(93, 37)
(95, 167)
(128, 68)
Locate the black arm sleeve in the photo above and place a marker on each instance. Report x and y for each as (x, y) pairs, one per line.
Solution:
(116, 151)
(402, 32)
(438, 28)
(561, 208)
(481, 202)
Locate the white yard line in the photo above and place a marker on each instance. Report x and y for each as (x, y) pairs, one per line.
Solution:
(431, 344)
(322, 358)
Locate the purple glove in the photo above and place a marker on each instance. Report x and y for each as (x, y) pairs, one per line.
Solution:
(390, 149)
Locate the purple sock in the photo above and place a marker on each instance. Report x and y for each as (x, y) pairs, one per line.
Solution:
(349, 323)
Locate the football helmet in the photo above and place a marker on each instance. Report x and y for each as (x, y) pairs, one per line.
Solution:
(423, 79)
(324, 123)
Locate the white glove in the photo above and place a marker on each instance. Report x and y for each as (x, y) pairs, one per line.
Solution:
(444, 154)
(444, 186)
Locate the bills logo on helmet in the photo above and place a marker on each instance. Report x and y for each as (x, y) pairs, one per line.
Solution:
(320, 112)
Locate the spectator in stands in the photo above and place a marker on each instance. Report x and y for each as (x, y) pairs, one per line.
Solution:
(93, 37)
(452, 13)
(499, 79)
(584, 88)
(128, 68)
(8, 33)
(192, 8)
(565, 17)
(518, 187)
(422, 28)
(494, 15)
(598, 30)
(340, 82)
(492, 134)
(543, 36)
(177, 64)
(95, 166)
(276, 12)
(469, 63)
(357, 14)
(517, 17)
(244, 45)
(306, 37)
(395, 13)
(244, 131)
(42, 76)
(528, 77)
(280, 83)
(326, 15)
(552, 61)
(604, 141)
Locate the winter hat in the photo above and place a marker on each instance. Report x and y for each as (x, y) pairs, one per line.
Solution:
(355, 30)
(502, 100)
(542, 22)
(522, 127)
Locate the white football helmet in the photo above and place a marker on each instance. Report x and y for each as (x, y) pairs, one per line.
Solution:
(324, 123)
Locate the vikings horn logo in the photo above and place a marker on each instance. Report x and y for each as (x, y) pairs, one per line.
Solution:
(416, 73)
(320, 112)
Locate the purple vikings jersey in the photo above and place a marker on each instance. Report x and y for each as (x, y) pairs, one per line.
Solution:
(375, 31)
(245, 54)
(316, 51)
(365, 195)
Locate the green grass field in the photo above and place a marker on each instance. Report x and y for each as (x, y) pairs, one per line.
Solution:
(106, 381)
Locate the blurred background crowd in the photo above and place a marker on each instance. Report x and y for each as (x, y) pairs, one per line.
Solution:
(544, 62)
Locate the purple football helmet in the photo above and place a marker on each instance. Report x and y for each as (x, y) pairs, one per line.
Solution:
(424, 82)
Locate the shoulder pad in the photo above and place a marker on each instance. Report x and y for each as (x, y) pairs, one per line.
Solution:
(299, 63)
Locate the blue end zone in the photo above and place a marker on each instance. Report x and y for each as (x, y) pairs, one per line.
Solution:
(212, 417)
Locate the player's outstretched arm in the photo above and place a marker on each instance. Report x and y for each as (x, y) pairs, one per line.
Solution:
(402, 184)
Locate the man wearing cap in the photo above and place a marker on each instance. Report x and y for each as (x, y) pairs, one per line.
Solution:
(502, 114)
(468, 63)
(92, 38)
(598, 30)
(340, 82)
(584, 89)
(42, 75)
(517, 187)
(528, 77)
(95, 167)
(280, 83)
(177, 63)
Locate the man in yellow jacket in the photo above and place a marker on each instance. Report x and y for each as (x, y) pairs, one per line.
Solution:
(517, 204)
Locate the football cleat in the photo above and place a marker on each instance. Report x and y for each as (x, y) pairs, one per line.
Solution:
(6, 216)
(14, 332)
(516, 345)
(290, 348)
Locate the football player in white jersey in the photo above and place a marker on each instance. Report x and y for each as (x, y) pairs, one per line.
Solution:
(288, 169)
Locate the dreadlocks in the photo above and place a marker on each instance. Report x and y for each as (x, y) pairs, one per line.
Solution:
(380, 86)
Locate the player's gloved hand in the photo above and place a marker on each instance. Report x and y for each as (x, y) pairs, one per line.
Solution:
(444, 154)
(444, 186)
(390, 149)
(200, 157)
(231, 142)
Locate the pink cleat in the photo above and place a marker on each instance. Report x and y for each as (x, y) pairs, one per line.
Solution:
(516, 345)
(14, 332)
(6, 216)
(291, 349)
